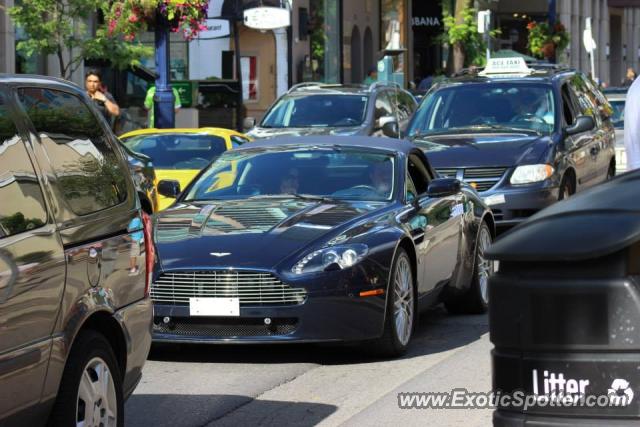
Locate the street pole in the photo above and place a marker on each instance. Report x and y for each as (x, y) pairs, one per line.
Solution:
(552, 12)
(163, 99)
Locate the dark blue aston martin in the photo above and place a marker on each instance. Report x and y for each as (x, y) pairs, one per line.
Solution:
(317, 239)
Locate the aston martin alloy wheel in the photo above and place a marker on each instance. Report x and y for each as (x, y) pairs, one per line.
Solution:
(484, 267)
(400, 317)
(403, 305)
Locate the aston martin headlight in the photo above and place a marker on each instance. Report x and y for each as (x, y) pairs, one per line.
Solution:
(338, 257)
(531, 173)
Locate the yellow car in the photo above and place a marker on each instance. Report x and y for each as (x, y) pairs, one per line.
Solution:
(179, 154)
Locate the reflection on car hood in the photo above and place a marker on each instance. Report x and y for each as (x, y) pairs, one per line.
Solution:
(481, 150)
(260, 133)
(248, 233)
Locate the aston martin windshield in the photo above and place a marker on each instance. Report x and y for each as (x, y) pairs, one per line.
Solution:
(336, 173)
(491, 107)
(317, 110)
(178, 151)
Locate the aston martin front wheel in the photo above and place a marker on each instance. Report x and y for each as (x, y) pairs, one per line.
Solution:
(400, 316)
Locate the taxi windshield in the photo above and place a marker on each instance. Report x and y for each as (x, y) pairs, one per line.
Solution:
(493, 106)
(335, 173)
(178, 151)
(317, 110)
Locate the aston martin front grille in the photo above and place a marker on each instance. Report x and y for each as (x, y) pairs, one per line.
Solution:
(250, 287)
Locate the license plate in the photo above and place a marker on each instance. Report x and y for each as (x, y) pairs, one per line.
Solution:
(214, 306)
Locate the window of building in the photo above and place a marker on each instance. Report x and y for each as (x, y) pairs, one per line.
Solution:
(179, 55)
(89, 174)
(325, 19)
(22, 208)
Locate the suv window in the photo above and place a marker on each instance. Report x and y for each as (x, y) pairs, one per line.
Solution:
(406, 105)
(568, 105)
(88, 172)
(22, 203)
(586, 99)
(383, 105)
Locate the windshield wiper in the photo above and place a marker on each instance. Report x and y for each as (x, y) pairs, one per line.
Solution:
(477, 127)
(310, 197)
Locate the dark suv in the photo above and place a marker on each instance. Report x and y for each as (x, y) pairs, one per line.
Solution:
(75, 253)
(380, 109)
(523, 139)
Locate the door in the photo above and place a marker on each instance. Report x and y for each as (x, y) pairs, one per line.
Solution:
(435, 227)
(32, 271)
(576, 146)
(592, 138)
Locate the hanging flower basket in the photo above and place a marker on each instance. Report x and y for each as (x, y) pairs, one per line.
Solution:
(128, 18)
(545, 41)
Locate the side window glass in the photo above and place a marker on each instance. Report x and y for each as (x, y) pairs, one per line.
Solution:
(567, 105)
(586, 104)
(383, 106)
(86, 166)
(418, 174)
(411, 192)
(22, 205)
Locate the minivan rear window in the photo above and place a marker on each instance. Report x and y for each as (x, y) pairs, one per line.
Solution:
(22, 205)
(89, 174)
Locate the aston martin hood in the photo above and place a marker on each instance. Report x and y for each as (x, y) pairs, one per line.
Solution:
(247, 233)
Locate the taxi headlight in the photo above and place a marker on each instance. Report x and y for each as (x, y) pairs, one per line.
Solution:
(531, 173)
(338, 257)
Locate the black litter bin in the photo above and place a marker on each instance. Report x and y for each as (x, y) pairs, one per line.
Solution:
(565, 312)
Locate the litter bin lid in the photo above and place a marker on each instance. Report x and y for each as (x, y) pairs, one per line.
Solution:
(592, 224)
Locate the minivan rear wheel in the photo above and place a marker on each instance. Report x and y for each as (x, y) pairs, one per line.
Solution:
(90, 393)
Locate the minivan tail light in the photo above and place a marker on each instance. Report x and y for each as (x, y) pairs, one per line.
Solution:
(149, 249)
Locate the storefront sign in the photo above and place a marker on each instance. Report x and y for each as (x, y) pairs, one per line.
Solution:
(267, 18)
(426, 21)
(216, 28)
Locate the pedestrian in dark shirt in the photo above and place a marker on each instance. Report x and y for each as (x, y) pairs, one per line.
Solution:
(103, 101)
(631, 76)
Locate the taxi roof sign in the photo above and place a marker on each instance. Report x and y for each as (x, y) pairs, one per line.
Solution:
(506, 67)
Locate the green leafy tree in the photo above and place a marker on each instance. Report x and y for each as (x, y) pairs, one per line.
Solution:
(461, 32)
(59, 27)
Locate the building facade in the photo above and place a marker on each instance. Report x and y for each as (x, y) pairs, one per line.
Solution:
(615, 28)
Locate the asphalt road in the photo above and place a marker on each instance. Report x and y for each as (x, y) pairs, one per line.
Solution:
(306, 385)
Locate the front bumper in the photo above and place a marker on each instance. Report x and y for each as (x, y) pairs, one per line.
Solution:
(136, 322)
(512, 205)
(332, 312)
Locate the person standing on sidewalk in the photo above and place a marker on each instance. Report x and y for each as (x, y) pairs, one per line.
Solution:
(104, 101)
(149, 104)
(632, 126)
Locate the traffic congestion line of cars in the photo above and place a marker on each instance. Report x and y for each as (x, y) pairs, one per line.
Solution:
(316, 231)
